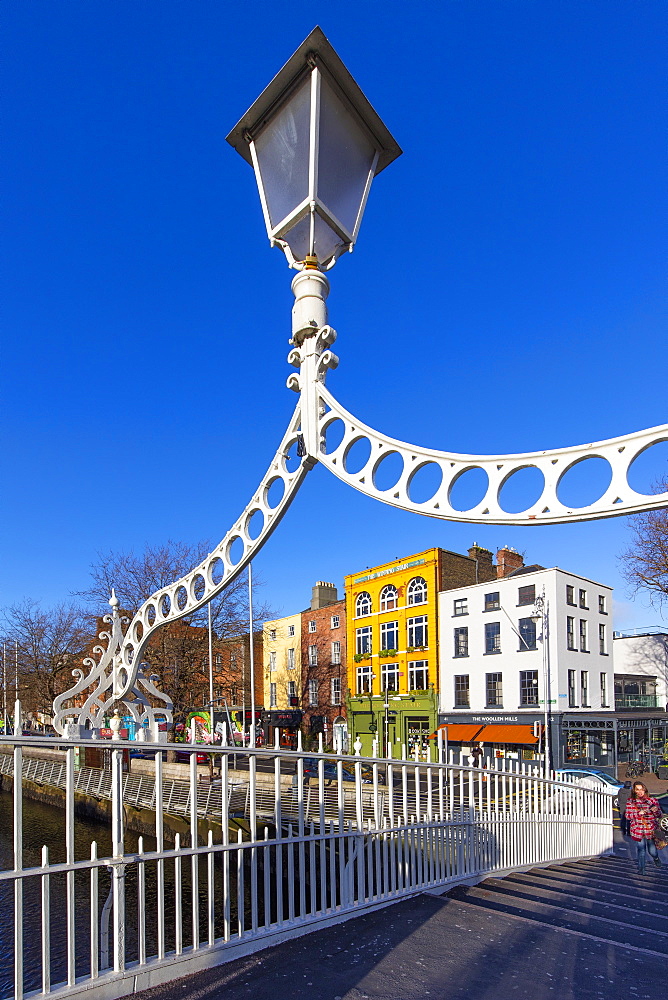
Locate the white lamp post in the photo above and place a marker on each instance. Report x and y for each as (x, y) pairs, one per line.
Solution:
(540, 614)
(315, 144)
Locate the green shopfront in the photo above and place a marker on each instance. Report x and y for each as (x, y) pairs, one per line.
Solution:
(406, 720)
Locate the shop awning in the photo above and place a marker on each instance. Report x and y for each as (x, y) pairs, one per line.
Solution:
(510, 735)
(459, 732)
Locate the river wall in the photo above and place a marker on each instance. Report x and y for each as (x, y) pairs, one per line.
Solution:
(137, 818)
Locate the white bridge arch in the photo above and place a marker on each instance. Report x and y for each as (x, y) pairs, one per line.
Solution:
(117, 675)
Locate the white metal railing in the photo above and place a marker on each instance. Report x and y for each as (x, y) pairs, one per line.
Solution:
(314, 850)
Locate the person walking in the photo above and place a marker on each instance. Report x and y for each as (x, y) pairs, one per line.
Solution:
(643, 813)
(622, 798)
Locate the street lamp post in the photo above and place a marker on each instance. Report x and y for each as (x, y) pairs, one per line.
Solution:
(541, 614)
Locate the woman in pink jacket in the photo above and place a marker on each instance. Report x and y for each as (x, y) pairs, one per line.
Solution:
(643, 814)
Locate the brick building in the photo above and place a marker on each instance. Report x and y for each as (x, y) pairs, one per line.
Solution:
(323, 663)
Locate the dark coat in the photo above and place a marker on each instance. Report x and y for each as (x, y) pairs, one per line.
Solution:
(623, 795)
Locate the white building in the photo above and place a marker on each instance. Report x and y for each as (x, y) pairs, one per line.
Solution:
(500, 667)
(641, 692)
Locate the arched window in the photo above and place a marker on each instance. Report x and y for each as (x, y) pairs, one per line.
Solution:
(417, 590)
(388, 598)
(363, 604)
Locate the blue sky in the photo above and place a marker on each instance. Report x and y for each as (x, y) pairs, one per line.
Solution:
(506, 292)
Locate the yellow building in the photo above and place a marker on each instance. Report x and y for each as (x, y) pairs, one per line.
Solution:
(282, 666)
(392, 642)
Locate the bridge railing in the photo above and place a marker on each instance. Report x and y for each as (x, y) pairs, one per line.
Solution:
(279, 844)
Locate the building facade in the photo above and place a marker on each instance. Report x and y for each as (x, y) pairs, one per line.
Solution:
(392, 638)
(516, 672)
(324, 686)
(641, 694)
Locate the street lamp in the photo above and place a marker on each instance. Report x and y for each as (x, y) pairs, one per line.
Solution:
(315, 144)
(541, 614)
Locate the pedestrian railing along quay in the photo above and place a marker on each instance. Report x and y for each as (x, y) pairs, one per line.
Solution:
(316, 849)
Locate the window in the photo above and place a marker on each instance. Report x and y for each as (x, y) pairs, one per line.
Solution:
(461, 642)
(272, 635)
(583, 635)
(363, 641)
(527, 633)
(291, 631)
(584, 688)
(335, 622)
(219, 659)
(418, 675)
(335, 691)
(528, 687)
(604, 689)
(492, 637)
(336, 652)
(583, 599)
(461, 606)
(492, 602)
(601, 640)
(494, 689)
(570, 595)
(233, 694)
(313, 656)
(311, 626)
(272, 661)
(601, 604)
(462, 691)
(291, 659)
(526, 595)
(389, 676)
(272, 695)
(313, 692)
(417, 631)
(364, 679)
(572, 693)
(388, 598)
(417, 590)
(570, 633)
(363, 604)
(389, 635)
(292, 689)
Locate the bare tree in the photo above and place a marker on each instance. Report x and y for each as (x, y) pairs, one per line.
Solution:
(178, 652)
(50, 643)
(645, 562)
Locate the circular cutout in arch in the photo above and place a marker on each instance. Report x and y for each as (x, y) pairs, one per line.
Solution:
(138, 631)
(387, 471)
(332, 435)
(150, 614)
(129, 652)
(274, 493)
(468, 489)
(255, 524)
(198, 587)
(425, 482)
(181, 597)
(291, 460)
(235, 550)
(165, 605)
(521, 490)
(123, 676)
(584, 483)
(649, 470)
(216, 571)
(357, 455)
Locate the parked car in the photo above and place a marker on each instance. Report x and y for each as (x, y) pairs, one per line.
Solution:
(592, 777)
(183, 757)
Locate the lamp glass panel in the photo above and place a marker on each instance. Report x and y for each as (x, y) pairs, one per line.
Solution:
(325, 239)
(283, 155)
(344, 158)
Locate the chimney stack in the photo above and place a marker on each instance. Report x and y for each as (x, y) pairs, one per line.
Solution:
(322, 595)
(507, 560)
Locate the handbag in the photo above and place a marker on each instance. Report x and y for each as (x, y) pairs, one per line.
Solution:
(660, 835)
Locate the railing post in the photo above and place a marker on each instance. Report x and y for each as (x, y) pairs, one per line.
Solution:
(118, 873)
